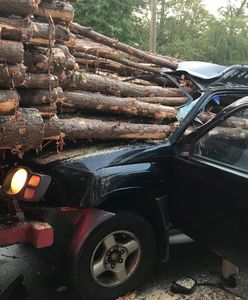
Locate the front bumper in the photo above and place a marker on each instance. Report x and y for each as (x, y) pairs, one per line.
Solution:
(40, 235)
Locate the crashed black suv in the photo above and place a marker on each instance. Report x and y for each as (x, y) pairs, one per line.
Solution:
(112, 208)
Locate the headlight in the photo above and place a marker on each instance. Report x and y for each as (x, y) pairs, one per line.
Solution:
(18, 181)
(25, 185)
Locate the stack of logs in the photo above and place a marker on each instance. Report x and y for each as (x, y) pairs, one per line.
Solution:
(60, 80)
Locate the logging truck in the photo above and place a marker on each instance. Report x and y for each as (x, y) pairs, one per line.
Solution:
(107, 211)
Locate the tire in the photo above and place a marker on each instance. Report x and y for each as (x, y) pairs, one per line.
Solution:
(115, 258)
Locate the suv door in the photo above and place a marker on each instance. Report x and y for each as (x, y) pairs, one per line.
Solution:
(210, 185)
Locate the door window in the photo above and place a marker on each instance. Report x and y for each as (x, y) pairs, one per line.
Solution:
(214, 105)
(227, 143)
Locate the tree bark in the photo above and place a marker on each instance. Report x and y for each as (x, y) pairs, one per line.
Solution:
(9, 102)
(63, 35)
(85, 46)
(95, 83)
(11, 52)
(240, 9)
(37, 60)
(12, 75)
(35, 33)
(206, 116)
(42, 32)
(21, 132)
(229, 133)
(236, 123)
(16, 29)
(123, 64)
(121, 106)
(27, 31)
(106, 65)
(18, 7)
(162, 18)
(71, 63)
(34, 97)
(89, 33)
(58, 10)
(168, 101)
(39, 81)
(153, 27)
(47, 111)
(80, 128)
(138, 81)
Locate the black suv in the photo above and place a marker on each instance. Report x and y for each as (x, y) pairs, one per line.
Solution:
(112, 206)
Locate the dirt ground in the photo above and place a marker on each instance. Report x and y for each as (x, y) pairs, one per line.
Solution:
(40, 282)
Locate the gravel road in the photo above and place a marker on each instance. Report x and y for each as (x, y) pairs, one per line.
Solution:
(41, 284)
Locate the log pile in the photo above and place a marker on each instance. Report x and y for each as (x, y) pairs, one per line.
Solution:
(60, 80)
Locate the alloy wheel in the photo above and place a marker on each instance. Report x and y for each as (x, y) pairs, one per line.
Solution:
(115, 258)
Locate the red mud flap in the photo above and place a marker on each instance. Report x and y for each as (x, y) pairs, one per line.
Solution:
(40, 235)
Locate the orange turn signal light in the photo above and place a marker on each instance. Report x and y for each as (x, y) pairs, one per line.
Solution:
(29, 194)
(68, 209)
(34, 181)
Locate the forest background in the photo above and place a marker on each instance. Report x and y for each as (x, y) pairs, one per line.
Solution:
(185, 28)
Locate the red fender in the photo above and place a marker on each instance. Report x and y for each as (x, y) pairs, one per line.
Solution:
(88, 220)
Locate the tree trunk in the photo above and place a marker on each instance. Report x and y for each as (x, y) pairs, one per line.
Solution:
(121, 106)
(80, 128)
(26, 31)
(206, 116)
(104, 85)
(168, 101)
(71, 63)
(42, 34)
(9, 102)
(12, 75)
(136, 80)
(37, 60)
(16, 29)
(58, 10)
(18, 7)
(47, 111)
(63, 35)
(35, 33)
(11, 52)
(229, 133)
(123, 64)
(107, 65)
(153, 27)
(34, 97)
(89, 33)
(39, 81)
(21, 132)
(236, 123)
(85, 47)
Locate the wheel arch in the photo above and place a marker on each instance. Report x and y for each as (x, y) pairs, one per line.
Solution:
(140, 201)
(81, 266)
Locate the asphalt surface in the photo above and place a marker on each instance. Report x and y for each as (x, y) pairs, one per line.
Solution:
(40, 281)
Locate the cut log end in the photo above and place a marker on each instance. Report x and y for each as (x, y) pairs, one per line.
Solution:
(21, 132)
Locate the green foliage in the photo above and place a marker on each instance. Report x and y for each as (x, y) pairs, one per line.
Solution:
(227, 38)
(185, 28)
(114, 18)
